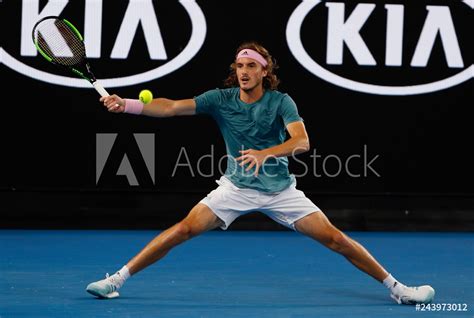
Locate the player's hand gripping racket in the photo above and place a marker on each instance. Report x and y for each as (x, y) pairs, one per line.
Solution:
(59, 42)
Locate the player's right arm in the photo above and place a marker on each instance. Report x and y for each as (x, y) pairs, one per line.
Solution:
(158, 107)
(163, 107)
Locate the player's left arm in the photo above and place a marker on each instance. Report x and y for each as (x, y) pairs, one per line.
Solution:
(297, 143)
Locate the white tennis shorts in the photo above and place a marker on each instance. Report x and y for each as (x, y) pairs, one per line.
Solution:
(229, 202)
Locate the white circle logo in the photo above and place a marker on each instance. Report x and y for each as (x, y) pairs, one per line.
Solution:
(351, 37)
(198, 35)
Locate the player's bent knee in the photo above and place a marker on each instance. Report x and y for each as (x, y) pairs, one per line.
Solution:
(338, 241)
(183, 230)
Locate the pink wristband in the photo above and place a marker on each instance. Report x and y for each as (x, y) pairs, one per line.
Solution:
(133, 106)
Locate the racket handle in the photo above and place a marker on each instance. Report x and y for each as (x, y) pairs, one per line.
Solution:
(100, 89)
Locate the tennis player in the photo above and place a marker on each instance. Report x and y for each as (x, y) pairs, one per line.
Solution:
(253, 118)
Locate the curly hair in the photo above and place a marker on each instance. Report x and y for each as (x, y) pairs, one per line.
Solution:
(270, 81)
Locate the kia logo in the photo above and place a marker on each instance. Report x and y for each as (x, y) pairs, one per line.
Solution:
(138, 12)
(346, 44)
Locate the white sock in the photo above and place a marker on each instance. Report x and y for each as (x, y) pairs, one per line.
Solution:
(121, 276)
(392, 284)
(124, 273)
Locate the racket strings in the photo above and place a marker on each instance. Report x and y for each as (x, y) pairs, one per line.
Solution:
(60, 43)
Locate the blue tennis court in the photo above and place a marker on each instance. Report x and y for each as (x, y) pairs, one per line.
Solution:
(229, 274)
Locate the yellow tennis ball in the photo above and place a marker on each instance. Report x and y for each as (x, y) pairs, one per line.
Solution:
(145, 96)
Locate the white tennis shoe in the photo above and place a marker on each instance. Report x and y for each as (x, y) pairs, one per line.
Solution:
(413, 295)
(106, 288)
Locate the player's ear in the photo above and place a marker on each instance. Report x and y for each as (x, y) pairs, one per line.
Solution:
(265, 73)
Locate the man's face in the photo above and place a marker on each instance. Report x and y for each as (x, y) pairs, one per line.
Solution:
(250, 73)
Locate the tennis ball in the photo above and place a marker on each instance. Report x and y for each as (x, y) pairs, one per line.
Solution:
(145, 96)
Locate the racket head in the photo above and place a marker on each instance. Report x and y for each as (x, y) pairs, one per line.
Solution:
(59, 41)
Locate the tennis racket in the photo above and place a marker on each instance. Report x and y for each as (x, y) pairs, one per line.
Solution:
(60, 43)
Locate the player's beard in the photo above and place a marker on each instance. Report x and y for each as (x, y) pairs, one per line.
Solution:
(250, 88)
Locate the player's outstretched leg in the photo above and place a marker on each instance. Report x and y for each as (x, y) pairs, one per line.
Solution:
(318, 227)
(199, 220)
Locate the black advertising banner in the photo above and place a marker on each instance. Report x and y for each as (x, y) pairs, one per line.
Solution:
(384, 88)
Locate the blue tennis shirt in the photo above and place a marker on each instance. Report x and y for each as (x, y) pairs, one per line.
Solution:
(258, 125)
